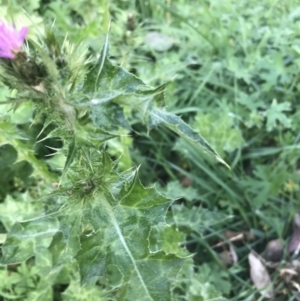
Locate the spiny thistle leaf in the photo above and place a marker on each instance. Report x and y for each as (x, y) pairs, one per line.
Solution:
(110, 83)
(117, 86)
(51, 67)
(9, 135)
(105, 223)
(28, 238)
(70, 157)
(176, 124)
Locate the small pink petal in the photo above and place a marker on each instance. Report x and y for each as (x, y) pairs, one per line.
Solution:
(11, 39)
(23, 33)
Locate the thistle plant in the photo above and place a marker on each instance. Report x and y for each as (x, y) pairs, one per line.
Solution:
(100, 220)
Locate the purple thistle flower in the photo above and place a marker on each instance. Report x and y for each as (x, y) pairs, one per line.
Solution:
(11, 40)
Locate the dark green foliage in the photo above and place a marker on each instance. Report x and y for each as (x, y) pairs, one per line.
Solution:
(15, 175)
(99, 219)
(232, 71)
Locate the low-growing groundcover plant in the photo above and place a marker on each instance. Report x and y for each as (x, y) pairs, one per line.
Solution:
(96, 223)
(233, 73)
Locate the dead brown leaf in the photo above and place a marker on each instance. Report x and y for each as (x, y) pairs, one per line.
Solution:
(186, 182)
(273, 251)
(260, 277)
(291, 271)
(291, 275)
(228, 257)
(294, 244)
